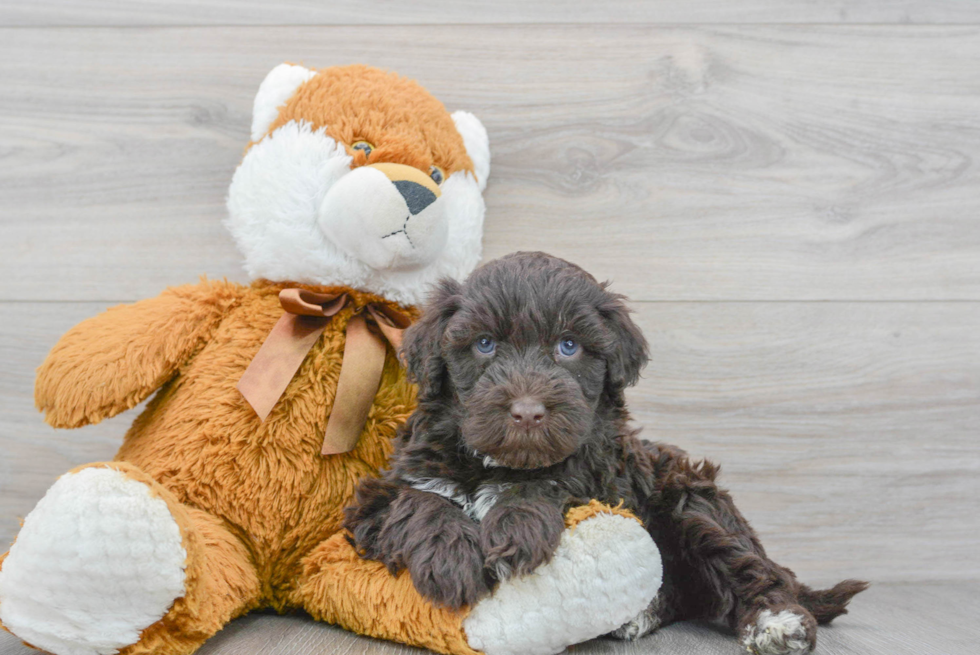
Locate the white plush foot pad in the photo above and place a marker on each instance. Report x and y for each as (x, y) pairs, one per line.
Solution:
(777, 634)
(604, 573)
(97, 561)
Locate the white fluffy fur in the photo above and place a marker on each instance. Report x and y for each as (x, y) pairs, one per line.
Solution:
(441, 487)
(475, 506)
(366, 216)
(488, 461)
(477, 144)
(484, 499)
(98, 560)
(777, 634)
(273, 212)
(604, 573)
(277, 87)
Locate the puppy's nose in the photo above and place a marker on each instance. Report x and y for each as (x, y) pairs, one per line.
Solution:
(416, 196)
(527, 411)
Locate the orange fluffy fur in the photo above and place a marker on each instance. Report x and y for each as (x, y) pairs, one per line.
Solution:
(258, 507)
(396, 115)
(253, 498)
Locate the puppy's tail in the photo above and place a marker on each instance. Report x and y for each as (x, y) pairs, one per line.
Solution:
(827, 604)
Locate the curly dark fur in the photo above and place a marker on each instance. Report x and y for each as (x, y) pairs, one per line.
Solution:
(466, 445)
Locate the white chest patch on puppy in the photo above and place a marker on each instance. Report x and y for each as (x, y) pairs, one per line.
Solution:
(484, 499)
(439, 486)
(475, 505)
(488, 461)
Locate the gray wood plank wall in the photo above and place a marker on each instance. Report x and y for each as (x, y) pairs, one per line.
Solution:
(429, 12)
(790, 198)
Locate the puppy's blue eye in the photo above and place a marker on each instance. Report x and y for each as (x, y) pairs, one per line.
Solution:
(568, 347)
(486, 345)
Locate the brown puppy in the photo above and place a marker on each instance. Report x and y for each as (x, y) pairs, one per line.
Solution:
(521, 415)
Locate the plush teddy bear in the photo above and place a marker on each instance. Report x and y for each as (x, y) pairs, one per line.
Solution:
(273, 400)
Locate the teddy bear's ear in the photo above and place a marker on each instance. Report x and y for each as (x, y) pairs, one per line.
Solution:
(277, 88)
(477, 144)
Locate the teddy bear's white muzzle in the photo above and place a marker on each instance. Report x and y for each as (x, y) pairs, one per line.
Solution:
(384, 221)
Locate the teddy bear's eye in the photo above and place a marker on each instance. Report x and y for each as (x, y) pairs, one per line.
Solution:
(363, 146)
(436, 174)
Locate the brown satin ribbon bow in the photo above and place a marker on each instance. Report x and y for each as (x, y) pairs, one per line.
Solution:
(282, 353)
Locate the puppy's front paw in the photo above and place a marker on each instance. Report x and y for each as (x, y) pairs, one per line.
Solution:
(790, 630)
(518, 539)
(448, 568)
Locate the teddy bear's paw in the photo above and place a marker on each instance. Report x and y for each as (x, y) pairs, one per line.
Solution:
(789, 631)
(98, 560)
(604, 572)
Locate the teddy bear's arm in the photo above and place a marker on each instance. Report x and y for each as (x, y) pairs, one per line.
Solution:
(111, 362)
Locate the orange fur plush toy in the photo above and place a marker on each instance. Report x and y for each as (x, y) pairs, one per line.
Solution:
(273, 400)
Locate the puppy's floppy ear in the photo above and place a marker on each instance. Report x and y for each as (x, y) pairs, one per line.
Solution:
(630, 352)
(422, 343)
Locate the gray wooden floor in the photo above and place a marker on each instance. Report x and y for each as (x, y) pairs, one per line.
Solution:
(788, 190)
(896, 619)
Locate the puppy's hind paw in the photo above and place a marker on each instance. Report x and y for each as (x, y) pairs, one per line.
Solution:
(640, 625)
(790, 631)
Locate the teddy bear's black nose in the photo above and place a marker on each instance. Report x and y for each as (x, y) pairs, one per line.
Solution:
(416, 196)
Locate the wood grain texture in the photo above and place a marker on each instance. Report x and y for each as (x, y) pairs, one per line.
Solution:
(427, 12)
(34, 455)
(686, 163)
(846, 431)
(790, 198)
(906, 619)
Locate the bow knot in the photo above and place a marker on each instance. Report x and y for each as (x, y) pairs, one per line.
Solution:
(307, 314)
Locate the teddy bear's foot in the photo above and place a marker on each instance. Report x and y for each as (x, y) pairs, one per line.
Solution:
(109, 560)
(605, 572)
(98, 560)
